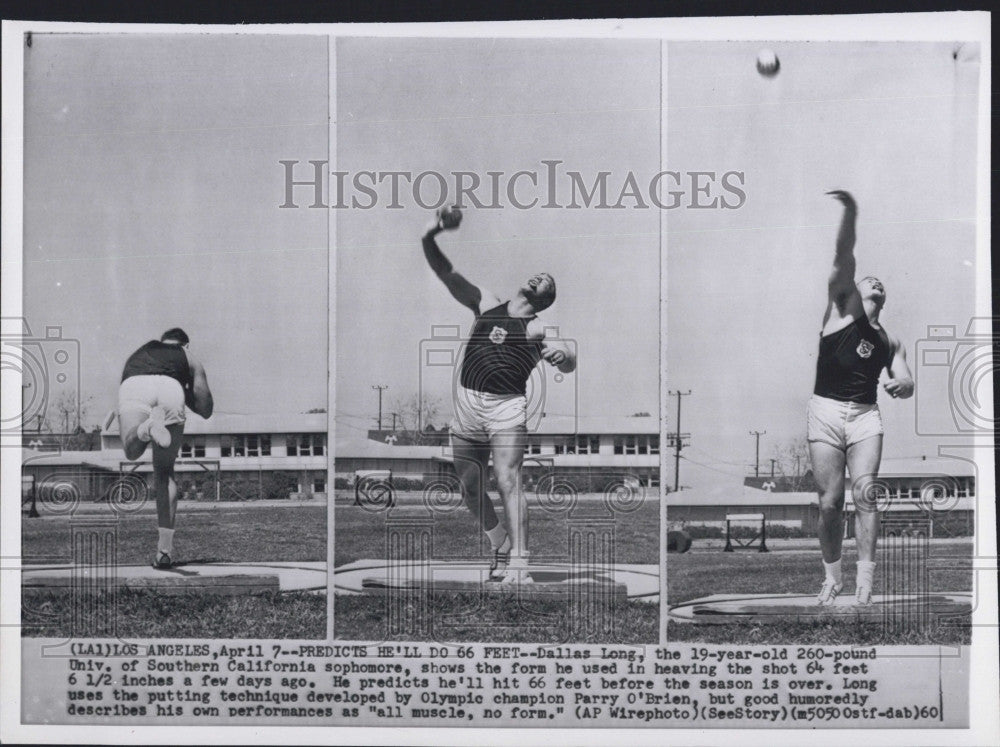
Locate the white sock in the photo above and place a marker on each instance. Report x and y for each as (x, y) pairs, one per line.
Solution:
(833, 571)
(497, 535)
(866, 573)
(166, 541)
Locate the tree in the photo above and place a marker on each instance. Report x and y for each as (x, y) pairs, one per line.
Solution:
(416, 416)
(64, 418)
(792, 461)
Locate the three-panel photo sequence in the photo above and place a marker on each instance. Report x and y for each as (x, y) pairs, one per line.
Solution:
(500, 340)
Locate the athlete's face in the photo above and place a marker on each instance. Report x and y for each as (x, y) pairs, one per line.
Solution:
(871, 287)
(540, 289)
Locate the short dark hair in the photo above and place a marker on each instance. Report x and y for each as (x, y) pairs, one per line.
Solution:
(175, 333)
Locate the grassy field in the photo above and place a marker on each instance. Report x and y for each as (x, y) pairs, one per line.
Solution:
(698, 574)
(241, 534)
(244, 534)
(506, 618)
(497, 619)
(146, 614)
(360, 533)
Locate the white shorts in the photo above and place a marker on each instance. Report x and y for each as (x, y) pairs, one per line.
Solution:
(479, 415)
(841, 424)
(138, 395)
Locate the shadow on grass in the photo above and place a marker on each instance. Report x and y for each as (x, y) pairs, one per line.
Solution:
(471, 617)
(149, 614)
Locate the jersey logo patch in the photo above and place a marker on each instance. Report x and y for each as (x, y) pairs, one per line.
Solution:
(865, 349)
(498, 335)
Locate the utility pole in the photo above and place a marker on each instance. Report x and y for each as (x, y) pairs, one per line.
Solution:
(677, 440)
(380, 388)
(393, 421)
(756, 465)
(772, 468)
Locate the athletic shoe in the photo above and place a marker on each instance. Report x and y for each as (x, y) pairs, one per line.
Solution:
(828, 594)
(863, 596)
(153, 429)
(142, 432)
(162, 561)
(159, 433)
(499, 563)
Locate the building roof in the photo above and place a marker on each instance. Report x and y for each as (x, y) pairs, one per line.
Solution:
(365, 448)
(224, 423)
(103, 460)
(929, 465)
(597, 424)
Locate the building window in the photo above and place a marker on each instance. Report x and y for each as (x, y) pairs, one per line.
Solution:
(193, 448)
(306, 444)
(631, 445)
(654, 444)
(588, 444)
(619, 444)
(245, 445)
(533, 447)
(258, 446)
(319, 485)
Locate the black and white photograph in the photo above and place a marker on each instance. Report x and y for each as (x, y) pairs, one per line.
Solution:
(497, 451)
(586, 381)
(173, 343)
(835, 375)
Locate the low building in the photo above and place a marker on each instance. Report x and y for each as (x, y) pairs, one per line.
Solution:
(939, 490)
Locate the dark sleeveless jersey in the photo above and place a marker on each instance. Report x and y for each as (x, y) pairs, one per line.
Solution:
(850, 361)
(499, 357)
(157, 358)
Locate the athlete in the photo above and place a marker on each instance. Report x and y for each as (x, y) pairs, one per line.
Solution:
(844, 423)
(506, 343)
(158, 380)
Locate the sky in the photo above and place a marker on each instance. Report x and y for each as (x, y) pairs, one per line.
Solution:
(504, 105)
(152, 185)
(892, 123)
(151, 197)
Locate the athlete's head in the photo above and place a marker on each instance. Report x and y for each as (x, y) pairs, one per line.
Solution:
(175, 335)
(871, 288)
(540, 290)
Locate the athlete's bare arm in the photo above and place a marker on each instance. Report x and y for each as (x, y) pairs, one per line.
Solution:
(901, 382)
(467, 294)
(844, 301)
(200, 401)
(554, 352)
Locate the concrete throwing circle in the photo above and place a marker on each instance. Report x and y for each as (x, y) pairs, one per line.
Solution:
(204, 577)
(734, 608)
(640, 582)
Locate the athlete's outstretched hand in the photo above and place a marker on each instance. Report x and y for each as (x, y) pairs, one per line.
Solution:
(449, 218)
(554, 356)
(844, 198)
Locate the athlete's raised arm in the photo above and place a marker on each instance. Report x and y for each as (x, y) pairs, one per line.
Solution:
(843, 293)
(465, 293)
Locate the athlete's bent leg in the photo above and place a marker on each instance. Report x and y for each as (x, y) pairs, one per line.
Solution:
(863, 459)
(828, 470)
(508, 455)
(165, 491)
(129, 420)
(471, 461)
